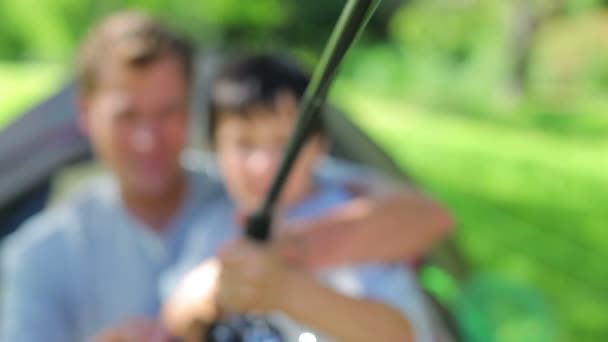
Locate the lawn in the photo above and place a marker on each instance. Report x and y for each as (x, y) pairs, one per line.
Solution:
(529, 203)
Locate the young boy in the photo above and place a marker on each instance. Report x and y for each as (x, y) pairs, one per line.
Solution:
(254, 108)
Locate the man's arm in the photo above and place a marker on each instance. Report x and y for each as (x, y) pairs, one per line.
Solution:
(342, 317)
(386, 222)
(253, 278)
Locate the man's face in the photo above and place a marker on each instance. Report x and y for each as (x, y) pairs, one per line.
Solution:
(249, 151)
(137, 122)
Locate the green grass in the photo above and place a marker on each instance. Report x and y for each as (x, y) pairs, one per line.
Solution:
(530, 204)
(22, 85)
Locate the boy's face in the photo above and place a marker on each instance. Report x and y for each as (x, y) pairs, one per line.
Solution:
(249, 149)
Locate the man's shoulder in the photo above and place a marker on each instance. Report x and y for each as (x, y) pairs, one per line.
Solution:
(40, 239)
(49, 232)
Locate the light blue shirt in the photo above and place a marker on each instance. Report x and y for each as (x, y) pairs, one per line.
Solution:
(393, 285)
(89, 264)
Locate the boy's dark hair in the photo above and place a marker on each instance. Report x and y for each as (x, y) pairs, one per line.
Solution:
(253, 80)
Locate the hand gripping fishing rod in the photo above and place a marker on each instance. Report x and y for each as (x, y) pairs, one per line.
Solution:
(354, 17)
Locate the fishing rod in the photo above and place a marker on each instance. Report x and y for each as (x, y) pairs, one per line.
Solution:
(352, 21)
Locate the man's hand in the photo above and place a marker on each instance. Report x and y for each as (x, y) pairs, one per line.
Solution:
(135, 330)
(383, 226)
(252, 278)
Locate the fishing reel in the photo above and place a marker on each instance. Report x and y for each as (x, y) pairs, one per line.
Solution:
(248, 327)
(244, 328)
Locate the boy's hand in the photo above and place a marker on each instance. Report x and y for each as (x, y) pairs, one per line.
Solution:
(193, 301)
(252, 278)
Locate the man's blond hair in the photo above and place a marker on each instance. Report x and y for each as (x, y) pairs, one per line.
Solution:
(132, 39)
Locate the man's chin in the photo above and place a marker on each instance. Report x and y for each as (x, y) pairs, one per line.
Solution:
(153, 186)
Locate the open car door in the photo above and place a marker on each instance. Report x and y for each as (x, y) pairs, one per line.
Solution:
(32, 149)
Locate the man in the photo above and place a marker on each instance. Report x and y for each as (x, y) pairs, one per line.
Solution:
(90, 268)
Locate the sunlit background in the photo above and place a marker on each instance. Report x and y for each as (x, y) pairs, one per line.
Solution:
(496, 107)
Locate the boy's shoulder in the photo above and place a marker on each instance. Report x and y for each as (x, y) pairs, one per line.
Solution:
(326, 197)
(338, 171)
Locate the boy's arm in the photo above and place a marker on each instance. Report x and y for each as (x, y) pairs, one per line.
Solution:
(253, 278)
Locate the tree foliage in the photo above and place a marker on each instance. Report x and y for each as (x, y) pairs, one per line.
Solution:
(529, 76)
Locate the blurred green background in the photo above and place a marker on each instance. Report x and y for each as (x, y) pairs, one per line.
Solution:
(496, 107)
